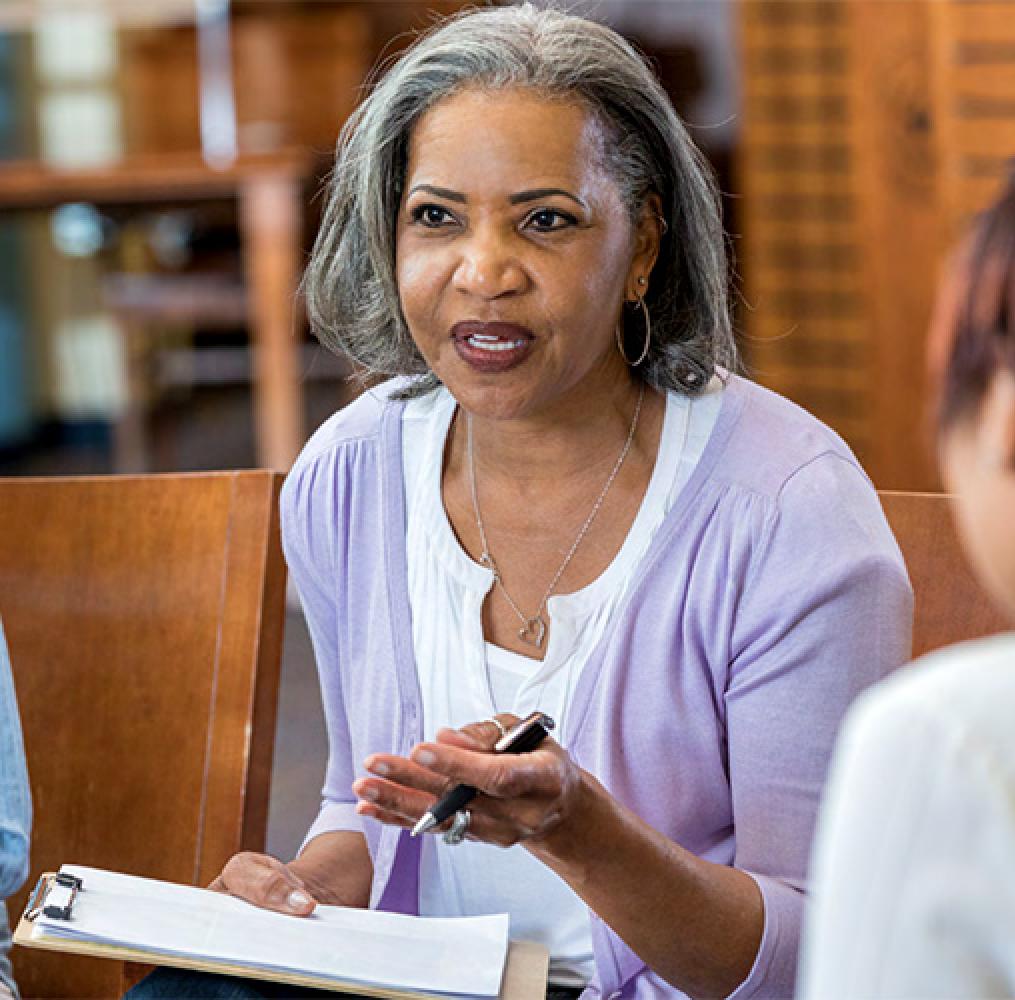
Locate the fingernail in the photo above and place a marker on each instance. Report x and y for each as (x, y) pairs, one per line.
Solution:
(298, 900)
(425, 757)
(370, 794)
(379, 768)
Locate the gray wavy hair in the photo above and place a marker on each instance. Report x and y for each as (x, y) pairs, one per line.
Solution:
(351, 292)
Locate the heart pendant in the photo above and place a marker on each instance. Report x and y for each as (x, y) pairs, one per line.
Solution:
(533, 632)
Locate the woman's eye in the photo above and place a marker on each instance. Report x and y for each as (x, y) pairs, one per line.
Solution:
(548, 219)
(432, 216)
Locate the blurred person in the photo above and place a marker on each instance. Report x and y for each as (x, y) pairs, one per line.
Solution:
(15, 813)
(914, 866)
(565, 501)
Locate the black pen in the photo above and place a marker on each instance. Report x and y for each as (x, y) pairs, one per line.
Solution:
(526, 736)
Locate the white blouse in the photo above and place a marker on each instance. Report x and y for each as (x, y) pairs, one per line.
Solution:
(464, 679)
(914, 861)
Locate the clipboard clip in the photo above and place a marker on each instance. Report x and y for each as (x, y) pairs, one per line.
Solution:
(54, 896)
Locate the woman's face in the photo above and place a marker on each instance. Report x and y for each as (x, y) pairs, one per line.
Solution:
(514, 253)
(978, 467)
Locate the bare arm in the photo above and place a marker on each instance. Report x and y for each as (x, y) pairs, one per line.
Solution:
(697, 924)
(336, 868)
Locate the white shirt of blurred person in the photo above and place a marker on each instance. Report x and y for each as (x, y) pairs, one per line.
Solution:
(914, 861)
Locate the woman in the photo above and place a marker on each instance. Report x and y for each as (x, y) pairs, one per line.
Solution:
(914, 863)
(567, 503)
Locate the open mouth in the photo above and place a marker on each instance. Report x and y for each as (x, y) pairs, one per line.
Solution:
(492, 347)
(487, 342)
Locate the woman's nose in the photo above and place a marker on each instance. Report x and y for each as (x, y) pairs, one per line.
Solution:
(488, 267)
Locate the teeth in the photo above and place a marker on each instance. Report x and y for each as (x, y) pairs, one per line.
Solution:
(486, 342)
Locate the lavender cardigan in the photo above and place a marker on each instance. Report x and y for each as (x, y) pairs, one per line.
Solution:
(773, 593)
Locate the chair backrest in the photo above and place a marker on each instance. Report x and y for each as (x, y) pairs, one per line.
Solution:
(950, 605)
(144, 617)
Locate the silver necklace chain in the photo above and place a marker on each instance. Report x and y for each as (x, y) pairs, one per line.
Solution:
(533, 630)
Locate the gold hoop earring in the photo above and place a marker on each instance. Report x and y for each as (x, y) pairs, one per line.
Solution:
(648, 336)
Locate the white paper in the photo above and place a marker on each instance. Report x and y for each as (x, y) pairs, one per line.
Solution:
(462, 956)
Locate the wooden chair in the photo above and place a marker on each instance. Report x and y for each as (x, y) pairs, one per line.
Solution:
(950, 605)
(144, 617)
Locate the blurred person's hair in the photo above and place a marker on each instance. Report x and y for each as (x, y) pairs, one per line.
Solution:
(350, 285)
(976, 337)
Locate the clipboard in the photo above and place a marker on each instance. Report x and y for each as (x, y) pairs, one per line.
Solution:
(525, 969)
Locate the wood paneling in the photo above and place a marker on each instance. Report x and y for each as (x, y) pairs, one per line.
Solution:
(871, 132)
(974, 103)
(897, 184)
(144, 617)
(802, 245)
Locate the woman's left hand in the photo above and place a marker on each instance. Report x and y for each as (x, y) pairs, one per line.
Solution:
(525, 797)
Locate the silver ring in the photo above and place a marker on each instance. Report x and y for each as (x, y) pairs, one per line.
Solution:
(455, 834)
(500, 725)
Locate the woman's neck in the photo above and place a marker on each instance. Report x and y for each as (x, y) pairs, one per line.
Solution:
(572, 439)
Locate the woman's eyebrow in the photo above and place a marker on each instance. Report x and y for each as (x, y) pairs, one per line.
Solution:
(440, 192)
(536, 193)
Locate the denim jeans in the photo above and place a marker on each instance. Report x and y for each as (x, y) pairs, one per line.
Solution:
(6, 976)
(177, 984)
(15, 807)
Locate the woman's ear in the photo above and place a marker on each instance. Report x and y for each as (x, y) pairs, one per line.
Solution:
(997, 422)
(648, 237)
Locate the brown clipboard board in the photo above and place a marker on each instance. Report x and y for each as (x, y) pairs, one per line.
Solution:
(525, 969)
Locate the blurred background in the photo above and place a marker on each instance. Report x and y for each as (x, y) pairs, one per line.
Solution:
(161, 165)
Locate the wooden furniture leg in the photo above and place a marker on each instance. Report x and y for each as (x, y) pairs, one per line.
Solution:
(130, 434)
(270, 220)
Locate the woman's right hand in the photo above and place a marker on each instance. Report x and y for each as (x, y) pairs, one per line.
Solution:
(267, 882)
(333, 868)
